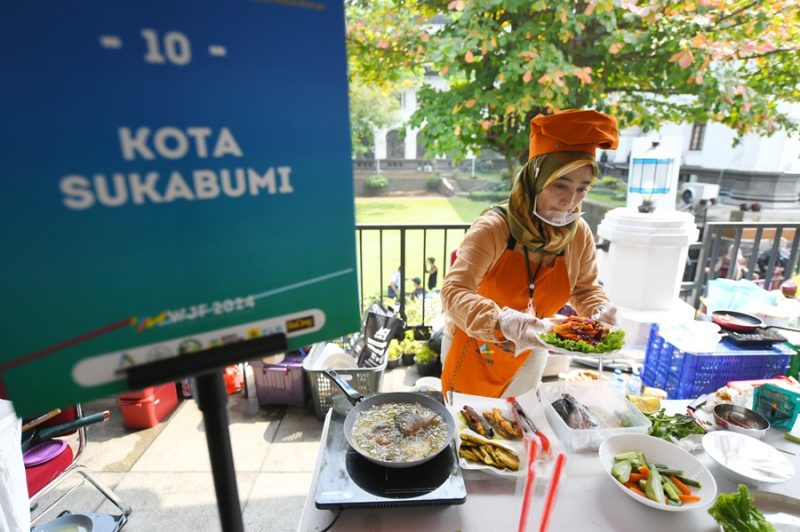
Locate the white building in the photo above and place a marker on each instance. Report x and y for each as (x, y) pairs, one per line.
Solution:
(710, 146)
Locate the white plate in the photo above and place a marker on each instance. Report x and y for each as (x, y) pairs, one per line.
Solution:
(487, 403)
(780, 511)
(560, 350)
(746, 459)
(661, 452)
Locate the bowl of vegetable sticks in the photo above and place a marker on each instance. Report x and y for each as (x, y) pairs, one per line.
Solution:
(657, 473)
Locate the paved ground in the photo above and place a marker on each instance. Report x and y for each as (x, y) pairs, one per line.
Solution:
(164, 472)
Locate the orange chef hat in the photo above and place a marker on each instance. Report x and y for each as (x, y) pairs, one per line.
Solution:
(573, 130)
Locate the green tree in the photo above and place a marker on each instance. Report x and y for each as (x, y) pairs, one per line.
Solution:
(385, 54)
(644, 61)
(386, 41)
(371, 108)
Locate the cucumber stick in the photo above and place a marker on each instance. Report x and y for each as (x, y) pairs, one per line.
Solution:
(671, 492)
(654, 488)
(622, 471)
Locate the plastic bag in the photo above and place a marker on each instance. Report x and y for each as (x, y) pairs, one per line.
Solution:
(14, 510)
(742, 296)
(378, 326)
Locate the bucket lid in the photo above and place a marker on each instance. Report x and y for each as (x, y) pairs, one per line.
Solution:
(659, 228)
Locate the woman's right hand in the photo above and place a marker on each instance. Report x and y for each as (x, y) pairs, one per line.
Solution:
(521, 329)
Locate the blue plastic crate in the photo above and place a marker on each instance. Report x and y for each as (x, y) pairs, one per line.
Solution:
(686, 375)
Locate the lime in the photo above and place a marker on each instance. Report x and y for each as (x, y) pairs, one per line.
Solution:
(645, 403)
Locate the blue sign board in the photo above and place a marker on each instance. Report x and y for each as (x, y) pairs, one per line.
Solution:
(176, 175)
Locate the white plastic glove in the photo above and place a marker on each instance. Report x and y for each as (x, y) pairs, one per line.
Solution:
(606, 314)
(520, 328)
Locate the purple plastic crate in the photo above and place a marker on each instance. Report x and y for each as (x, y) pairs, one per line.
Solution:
(280, 384)
(687, 375)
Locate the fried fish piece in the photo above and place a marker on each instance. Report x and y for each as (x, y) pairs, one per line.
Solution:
(409, 423)
(476, 423)
(505, 428)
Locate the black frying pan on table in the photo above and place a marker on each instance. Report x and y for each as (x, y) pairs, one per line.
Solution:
(742, 322)
(362, 402)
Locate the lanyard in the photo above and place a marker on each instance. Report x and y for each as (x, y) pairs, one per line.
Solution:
(531, 278)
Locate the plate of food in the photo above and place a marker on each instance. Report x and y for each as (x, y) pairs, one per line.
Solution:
(579, 335)
(488, 437)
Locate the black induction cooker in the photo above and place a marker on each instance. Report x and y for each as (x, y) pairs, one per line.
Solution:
(348, 480)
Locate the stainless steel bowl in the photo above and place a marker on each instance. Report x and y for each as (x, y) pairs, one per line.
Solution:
(742, 420)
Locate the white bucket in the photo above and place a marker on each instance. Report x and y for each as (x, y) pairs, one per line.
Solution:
(646, 257)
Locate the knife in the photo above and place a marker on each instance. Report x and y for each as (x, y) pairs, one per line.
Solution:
(527, 424)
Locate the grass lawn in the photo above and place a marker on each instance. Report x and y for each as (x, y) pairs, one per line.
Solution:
(425, 209)
(606, 196)
(379, 264)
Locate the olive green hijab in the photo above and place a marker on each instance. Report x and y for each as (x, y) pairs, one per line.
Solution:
(538, 173)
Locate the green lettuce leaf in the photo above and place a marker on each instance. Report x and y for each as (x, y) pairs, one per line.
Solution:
(613, 341)
(737, 512)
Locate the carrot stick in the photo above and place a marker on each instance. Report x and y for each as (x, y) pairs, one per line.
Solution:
(681, 486)
(689, 498)
(635, 489)
(644, 471)
(636, 477)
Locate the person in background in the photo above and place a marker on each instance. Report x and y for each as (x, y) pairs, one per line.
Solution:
(524, 259)
(779, 266)
(739, 267)
(419, 291)
(433, 273)
(393, 290)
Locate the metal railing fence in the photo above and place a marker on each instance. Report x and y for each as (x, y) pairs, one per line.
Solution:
(378, 243)
(765, 252)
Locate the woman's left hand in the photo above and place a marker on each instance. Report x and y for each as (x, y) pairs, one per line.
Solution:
(606, 314)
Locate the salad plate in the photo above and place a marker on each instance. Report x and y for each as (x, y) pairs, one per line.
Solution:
(562, 336)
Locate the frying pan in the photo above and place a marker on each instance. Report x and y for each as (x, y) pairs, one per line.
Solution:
(361, 402)
(742, 322)
(31, 436)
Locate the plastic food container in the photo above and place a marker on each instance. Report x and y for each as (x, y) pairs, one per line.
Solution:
(780, 405)
(615, 414)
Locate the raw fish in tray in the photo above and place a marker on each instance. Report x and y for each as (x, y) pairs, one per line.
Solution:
(574, 414)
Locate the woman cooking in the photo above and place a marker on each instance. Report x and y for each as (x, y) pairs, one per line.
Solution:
(524, 259)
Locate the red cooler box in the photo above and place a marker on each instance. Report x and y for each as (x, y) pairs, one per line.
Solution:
(145, 408)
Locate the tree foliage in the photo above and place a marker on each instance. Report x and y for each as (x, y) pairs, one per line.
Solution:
(386, 41)
(644, 61)
(371, 108)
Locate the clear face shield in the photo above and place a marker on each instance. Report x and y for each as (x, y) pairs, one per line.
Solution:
(556, 218)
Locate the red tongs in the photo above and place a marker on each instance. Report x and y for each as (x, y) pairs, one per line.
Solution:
(527, 424)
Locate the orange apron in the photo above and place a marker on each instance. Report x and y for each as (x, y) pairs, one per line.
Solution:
(483, 368)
